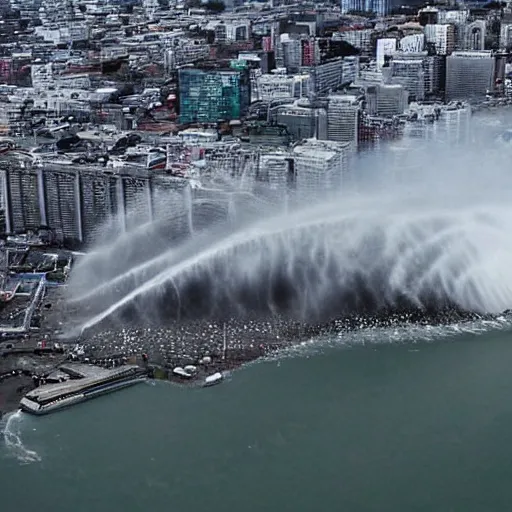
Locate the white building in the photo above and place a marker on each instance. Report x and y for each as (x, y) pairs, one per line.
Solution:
(343, 119)
(469, 75)
(319, 168)
(413, 43)
(272, 86)
(385, 47)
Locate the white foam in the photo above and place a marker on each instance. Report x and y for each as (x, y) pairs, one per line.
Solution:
(11, 428)
(392, 335)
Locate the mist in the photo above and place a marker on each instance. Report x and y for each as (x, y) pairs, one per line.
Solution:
(416, 224)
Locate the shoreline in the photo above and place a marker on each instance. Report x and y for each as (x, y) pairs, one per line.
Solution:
(208, 346)
(17, 379)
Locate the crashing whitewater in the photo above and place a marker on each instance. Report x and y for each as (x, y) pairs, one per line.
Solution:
(432, 244)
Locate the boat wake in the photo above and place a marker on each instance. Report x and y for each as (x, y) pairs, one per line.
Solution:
(10, 428)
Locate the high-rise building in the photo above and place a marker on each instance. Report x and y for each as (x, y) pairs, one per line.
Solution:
(379, 7)
(276, 171)
(343, 119)
(303, 121)
(319, 168)
(62, 210)
(469, 75)
(213, 95)
(442, 36)
(74, 203)
(327, 76)
(348, 6)
(289, 53)
(99, 201)
(453, 124)
(23, 190)
(407, 69)
(349, 70)
(386, 100)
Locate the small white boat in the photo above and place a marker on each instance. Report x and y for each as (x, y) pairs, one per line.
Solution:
(181, 372)
(213, 379)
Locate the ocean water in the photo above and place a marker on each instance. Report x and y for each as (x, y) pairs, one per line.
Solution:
(373, 426)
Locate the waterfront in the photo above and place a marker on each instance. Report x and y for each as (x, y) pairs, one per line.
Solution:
(401, 426)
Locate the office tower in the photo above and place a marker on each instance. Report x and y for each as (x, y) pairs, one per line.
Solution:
(453, 124)
(303, 121)
(214, 95)
(308, 49)
(434, 67)
(386, 100)
(327, 76)
(407, 69)
(23, 189)
(62, 204)
(275, 172)
(349, 70)
(343, 119)
(442, 37)
(379, 7)
(469, 75)
(289, 53)
(319, 168)
(348, 6)
(99, 200)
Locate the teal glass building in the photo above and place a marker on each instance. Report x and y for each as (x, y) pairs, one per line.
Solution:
(208, 96)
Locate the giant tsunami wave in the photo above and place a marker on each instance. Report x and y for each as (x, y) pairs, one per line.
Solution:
(363, 255)
(430, 233)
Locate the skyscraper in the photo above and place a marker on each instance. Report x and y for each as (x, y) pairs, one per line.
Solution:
(469, 75)
(343, 119)
(319, 168)
(213, 95)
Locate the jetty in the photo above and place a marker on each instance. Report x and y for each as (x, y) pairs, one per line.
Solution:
(83, 382)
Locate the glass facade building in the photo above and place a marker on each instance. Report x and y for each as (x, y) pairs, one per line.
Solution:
(213, 95)
(379, 7)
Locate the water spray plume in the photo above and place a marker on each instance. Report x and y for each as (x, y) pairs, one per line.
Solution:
(435, 234)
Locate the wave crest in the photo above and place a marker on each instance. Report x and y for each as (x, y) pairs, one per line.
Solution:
(365, 255)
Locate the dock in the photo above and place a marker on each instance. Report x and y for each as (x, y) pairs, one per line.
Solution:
(86, 382)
